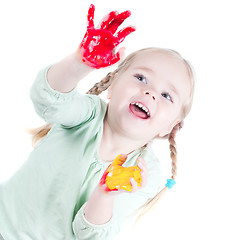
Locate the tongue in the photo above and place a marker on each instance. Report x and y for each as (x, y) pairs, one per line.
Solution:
(138, 111)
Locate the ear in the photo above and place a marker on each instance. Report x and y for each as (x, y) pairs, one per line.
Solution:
(109, 90)
(162, 134)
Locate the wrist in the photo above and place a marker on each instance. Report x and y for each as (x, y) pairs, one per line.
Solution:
(79, 63)
(99, 207)
(103, 195)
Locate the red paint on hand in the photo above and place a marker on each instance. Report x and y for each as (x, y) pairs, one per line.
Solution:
(98, 45)
(103, 178)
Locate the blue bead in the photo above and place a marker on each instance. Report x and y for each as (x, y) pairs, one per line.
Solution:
(170, 183)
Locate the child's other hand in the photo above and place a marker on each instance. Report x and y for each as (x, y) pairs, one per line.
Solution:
(119, 179)
(97, 48)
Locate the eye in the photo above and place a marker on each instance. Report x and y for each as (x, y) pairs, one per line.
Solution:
(167, 96)
(140, 77)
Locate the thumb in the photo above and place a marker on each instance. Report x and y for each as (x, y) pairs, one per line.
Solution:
(122, 54)
(120, 159)
(118, 57)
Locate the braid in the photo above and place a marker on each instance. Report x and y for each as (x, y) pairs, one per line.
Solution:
(101, 86)
(173, 154)
(39, 133)
(173, 151)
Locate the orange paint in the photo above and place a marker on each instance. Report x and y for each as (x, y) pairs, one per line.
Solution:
(118, 177)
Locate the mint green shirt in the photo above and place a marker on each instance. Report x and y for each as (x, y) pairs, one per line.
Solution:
(45, 198)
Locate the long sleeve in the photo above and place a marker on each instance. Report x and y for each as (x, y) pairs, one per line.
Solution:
(125, 207)
(85, 230)
(123, 215)
(69, 109)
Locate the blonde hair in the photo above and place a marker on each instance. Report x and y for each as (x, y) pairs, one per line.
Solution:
(103, 85)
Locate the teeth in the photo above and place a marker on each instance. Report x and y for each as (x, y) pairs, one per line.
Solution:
(142, 107)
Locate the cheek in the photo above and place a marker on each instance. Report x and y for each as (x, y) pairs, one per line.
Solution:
(167, 114)
(123, 91)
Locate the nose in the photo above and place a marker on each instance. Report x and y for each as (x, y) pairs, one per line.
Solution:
(148, 93)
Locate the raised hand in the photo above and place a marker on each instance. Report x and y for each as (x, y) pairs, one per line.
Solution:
(97, 48)
(117, 177)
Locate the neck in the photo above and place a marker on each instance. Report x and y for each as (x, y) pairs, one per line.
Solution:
(122, 144)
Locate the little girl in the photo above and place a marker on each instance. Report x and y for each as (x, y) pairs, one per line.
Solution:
(57, 193)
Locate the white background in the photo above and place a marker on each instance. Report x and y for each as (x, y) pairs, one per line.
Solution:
(208, 200)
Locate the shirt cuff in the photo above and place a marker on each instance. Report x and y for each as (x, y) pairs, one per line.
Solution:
(85, 230)
(53, 91)
(81, 222)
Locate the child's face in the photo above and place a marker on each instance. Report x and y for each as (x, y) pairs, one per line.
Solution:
(157, 81)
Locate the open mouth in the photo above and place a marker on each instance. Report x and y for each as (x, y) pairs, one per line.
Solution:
(139, 110)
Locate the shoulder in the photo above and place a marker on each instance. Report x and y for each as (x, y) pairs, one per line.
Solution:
(90, 108)
(98, 105)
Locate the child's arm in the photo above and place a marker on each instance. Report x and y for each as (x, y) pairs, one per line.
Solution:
(52, 92)
(65, 75)
(95, 51)
(106, 213)
(99, 207)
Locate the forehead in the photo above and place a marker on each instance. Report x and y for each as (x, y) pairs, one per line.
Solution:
(166, 67)
(159, 62)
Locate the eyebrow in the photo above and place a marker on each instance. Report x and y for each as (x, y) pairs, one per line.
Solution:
(144, 69)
